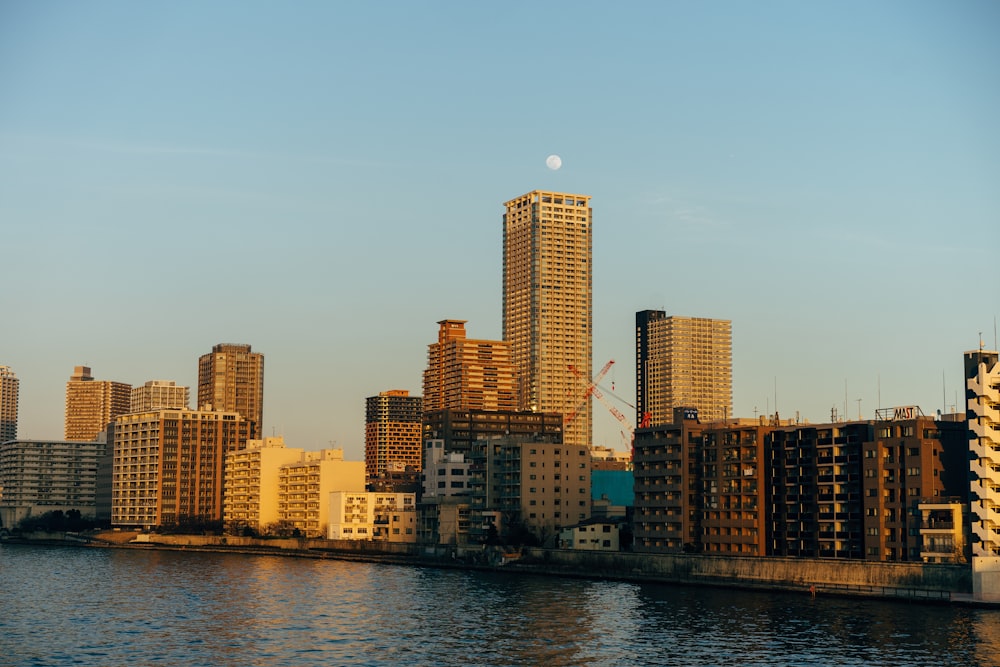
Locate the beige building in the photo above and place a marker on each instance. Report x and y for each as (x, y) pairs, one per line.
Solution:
(547, 302)
(305, 485)
(389, 517)
(594, 534)
(530, 484)
(467, 374)
(39, 476)
(250, 494)
(8, 404)
(168, 466)
(92, 404)
(159, 395)
(393, 433)
(682, 362)
(231, 378)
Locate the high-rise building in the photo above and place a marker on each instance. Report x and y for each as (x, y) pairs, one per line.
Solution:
(8, 404)
(168, 465)
(982, 373)
(159, 394)
(231, 378)
(93, 404)
(547, 302)
(392, 433)
(467, 374)
(682, 362)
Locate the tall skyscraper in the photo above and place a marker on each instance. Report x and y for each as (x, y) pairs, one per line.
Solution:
(547, 302)
(231, 378)
(467, 374)
(92, 404)
(158, 394)
(682, 362)
(8, 404)
(392, 432)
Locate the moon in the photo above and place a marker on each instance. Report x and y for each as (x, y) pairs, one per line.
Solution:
(553, 162)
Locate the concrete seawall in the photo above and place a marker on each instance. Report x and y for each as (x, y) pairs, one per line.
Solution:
(911, 581)
(907, 580)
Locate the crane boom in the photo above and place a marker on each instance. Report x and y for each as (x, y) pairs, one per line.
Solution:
(571, 415)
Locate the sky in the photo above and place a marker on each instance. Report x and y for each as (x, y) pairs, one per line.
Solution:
(325, 181)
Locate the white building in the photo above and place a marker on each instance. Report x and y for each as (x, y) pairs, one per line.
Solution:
(159, 395)
(391, 517)
(595, 534)
(982, 372)
(444, 474)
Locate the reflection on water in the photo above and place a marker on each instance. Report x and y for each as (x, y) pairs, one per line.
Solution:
(62, 606)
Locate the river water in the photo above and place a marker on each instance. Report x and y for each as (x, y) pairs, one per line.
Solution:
(110, 607)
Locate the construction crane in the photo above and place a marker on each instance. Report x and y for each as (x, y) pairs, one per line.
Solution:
(571, 415)
(592, 390)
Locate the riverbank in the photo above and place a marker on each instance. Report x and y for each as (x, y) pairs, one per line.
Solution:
(910, 582)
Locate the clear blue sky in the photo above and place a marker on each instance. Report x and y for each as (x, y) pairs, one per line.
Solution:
(326, 180)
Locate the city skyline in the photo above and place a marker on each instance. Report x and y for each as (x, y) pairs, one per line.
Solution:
(823, 176)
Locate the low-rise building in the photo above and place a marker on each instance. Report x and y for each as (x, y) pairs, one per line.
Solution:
(305, 485)
(250, 497)
(594, 534)
(389, 517)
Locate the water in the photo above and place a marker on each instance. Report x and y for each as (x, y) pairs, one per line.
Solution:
(73, 606)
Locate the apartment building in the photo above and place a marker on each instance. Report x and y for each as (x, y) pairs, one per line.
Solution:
(250, 491)
(305, 485)
(39, 476)
(857, 490)
(9, 387)
(548, 302)
(464, 373)
(912, 465)
(460, 430)
(231, 379)
(159, 395)
(528, 488)
(93, 404)
(682, 362)
(388, 517)
(982, 372)
(667, 470)
(393, 433)
(168, 466)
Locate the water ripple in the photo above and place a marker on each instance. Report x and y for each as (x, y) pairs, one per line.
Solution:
(67, 606)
